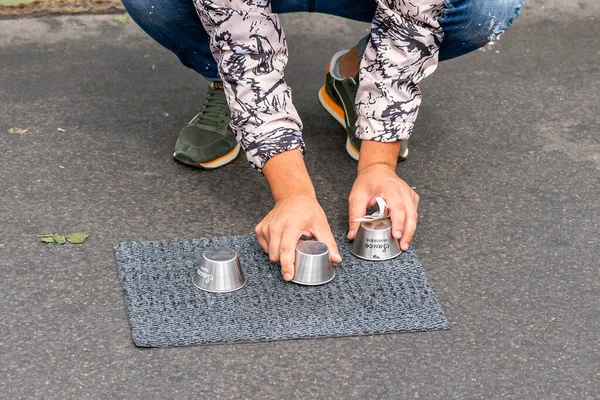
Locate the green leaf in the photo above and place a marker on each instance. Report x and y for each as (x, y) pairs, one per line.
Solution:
(122, 18)
(60, 239)
(77, 237)
(47, 239)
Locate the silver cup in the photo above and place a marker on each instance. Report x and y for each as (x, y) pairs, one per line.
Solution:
(312, 264)
(374, 241)
(219, 271)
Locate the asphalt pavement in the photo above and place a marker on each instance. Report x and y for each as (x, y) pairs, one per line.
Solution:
(505, 156)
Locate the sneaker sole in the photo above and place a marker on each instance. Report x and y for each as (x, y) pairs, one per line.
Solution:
(332, 107)
(226, 159)
(218, 162)
(340, 116)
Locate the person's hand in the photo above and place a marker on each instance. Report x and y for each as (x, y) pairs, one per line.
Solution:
(292, 217)
(296, 213)
(382, 180)
(376, 176)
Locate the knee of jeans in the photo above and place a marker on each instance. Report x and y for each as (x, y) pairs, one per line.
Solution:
(492, 18)
(144, 12)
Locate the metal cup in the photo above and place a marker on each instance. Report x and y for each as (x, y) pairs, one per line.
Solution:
(312, 264)
(374, 241)
(219, 271)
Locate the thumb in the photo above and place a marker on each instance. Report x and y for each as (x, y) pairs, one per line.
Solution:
(324, 235)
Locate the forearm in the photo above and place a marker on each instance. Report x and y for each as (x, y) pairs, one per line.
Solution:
(372, 152)
(287, 175)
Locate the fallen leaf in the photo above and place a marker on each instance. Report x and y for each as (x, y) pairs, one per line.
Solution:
(77, 237)
(18, 131)
(60, 239)
(122, 18)
(74, 238)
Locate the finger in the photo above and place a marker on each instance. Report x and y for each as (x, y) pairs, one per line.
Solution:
(410, 225)
(275, 233)
(357, 206)
(398, 217)
(262, 242)
(323, 234)
(287, 253)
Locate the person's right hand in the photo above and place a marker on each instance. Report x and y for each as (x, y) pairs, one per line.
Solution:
(294, 216)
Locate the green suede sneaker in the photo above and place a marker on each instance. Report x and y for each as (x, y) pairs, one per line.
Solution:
(337, 97)
(207, 141)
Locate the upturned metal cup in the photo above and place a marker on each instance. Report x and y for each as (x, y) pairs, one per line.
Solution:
(312, 264)
(219, 271)
(374, 241)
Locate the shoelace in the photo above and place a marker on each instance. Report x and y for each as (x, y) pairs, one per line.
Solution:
(214, 104)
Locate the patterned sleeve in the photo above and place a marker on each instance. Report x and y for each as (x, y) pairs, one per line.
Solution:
(250, 48)
(405, 39)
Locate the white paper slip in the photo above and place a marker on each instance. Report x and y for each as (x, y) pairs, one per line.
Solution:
(384, 212)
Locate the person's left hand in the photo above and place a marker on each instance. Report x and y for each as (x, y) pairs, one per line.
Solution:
(381, 180)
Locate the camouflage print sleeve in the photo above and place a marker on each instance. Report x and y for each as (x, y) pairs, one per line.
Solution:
(405, 39)
(250, 48)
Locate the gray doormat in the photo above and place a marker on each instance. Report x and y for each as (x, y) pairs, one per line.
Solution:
(166, 309)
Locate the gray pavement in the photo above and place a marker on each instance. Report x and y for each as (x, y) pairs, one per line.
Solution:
(506, 158)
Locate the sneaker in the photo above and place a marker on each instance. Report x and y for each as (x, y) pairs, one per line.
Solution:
(337, 97)
(207, 141)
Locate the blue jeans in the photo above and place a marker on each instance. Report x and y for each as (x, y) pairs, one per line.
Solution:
(467, 24)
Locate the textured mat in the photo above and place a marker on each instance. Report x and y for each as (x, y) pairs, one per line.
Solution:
(165, 309)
